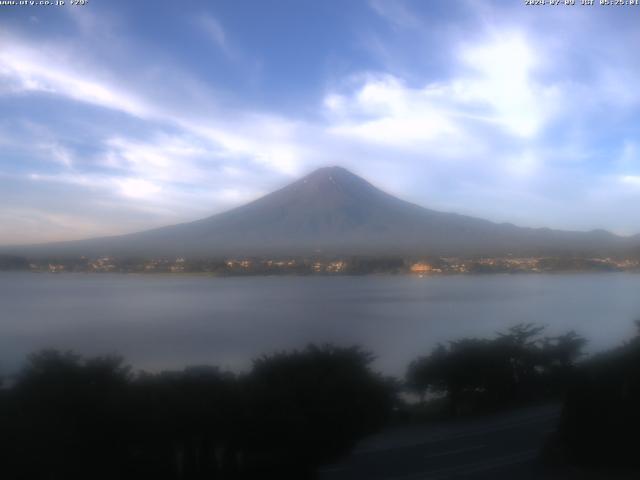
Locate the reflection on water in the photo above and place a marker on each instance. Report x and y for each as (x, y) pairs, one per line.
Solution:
(170, 321)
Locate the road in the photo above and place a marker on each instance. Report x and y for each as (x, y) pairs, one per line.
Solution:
(503, 446)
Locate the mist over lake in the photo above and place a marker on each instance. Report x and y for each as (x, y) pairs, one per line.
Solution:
(159, 322)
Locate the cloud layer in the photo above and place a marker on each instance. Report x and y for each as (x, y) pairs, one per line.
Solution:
(469, 109)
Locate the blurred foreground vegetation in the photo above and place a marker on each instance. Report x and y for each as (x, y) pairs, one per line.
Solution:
(68, 417)
(478, 375)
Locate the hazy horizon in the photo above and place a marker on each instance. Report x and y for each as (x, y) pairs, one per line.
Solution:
(259, 199)
(126, 116)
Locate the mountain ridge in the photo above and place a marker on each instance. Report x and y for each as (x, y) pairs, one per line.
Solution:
(334, 211)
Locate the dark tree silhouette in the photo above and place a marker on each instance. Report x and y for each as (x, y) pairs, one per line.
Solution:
(517, 366)
(312, 405)
(64, 416)
(71, 418)
(600, 418)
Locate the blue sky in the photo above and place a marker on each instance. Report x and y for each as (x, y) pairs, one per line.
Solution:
(121, 116)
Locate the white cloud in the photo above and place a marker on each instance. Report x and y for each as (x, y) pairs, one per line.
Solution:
(161, 158)
(36, 225)
(525, 164)
(630, 156)
(58, 153)
(633, 180)
(87, 181)
(35, 70)
(384, 110)
(502, 78)
(396, 12)
(334, 102)
(214, 31)
(495, 85)
(138, 188)
(236, 196)
(267, 140)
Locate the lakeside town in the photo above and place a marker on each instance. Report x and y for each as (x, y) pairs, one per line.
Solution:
(322, 265)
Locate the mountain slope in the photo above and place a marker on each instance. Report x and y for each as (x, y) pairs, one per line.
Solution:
(334, 211)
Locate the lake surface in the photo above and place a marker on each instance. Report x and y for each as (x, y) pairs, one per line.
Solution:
(168, 321)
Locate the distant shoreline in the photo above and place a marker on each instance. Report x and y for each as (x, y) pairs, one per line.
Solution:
(322, 275)
(323, 266)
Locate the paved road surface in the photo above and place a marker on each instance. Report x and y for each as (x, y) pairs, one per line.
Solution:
(497, 447)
